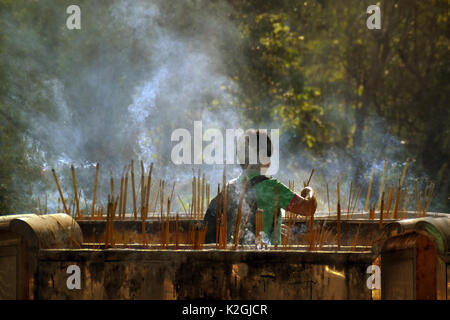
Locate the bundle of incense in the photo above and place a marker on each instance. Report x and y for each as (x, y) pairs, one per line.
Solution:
(125, 190)
(369, 190)
(388, 207)
(147, 191)
(143, 231)
(258, 226)
(97, 168)
(198, 236)
(239, 213)
(121, 194)
(381, 210)
(75, 191)
(382, 182)
(275, 217)
(133, 190)
(111, 181)
(223, 224)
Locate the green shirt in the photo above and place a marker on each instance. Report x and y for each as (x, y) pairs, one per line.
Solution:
(265, 200)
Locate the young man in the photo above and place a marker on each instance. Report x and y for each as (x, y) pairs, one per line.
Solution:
(262, 193)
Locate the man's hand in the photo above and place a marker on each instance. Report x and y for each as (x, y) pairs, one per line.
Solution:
(307, 193)
(305, 203)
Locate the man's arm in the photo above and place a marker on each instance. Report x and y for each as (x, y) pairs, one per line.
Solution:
(304, 203)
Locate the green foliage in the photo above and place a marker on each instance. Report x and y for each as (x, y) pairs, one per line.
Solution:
(311, 68)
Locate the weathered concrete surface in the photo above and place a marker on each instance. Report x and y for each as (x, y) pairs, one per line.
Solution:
(21, 238)
(415, 258)
(211, 274)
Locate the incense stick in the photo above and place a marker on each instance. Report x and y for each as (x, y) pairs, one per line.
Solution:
(75, 191)
(133, 190)
(60, 192)
(125, 190)
(310, 176)
(97, 168)
(381, 210)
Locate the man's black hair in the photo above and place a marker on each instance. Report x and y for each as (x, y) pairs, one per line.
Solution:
(259, 135)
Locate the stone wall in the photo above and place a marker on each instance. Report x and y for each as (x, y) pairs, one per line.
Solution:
(211, 274)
